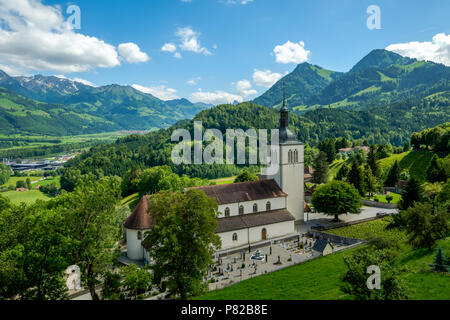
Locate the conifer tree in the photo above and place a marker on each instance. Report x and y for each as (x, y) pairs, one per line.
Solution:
(393, 175)
(372, 161)
(412, 193)
(440, 262)
(355, 177)
(320, 174)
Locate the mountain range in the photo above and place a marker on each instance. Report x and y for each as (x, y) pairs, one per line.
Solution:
(60, 106)
(379, 79)
(40, 105)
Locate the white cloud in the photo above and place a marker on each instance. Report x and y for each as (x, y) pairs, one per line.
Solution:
(291, 53)
(132, 53)
(193, 82)
(243, 2)
(177, 55)
(265, 78)
(244, 88)
(438, 50)
(216, 97)
(189, 41)
(169, 47)
(34, 36)
(161, 92)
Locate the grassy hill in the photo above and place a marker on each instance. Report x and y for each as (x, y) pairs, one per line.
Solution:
(320, 279)
(20, 115)
(415, 162)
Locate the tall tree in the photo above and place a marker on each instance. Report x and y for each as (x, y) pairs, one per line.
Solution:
(96, 226)
(355, 177)
(372, 161)
(336, 198)
(371, 183)
(328, 146)
(320, 174)
(343, 173)
(183, 239)
(412, 193)
(393, 175)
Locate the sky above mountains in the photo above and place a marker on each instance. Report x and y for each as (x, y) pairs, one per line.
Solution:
(213, 51)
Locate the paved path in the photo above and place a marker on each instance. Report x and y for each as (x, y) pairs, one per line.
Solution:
(324, 220)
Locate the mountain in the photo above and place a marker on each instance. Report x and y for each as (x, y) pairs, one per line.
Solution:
(380, 58)
(379, 79)
(123, 106)
(302, 83)
(21, 115)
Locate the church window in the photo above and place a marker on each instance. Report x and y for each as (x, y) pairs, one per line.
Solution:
(241, 210)
(227, 212)
(139, 235)
(235, 236)
(296, 156)
(290, 156)
(268, 206)
(255, 208)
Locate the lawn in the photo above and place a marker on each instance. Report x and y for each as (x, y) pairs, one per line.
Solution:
(320, 279)
(25, 196)
(382, 198)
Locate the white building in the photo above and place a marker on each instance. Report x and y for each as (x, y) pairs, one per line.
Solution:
(250, 212)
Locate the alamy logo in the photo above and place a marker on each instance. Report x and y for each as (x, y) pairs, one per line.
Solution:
(213, 152)
(374, 20)
(75, 19)
(374, 281)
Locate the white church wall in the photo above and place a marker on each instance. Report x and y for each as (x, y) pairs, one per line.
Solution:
(275, 203)
(291, 179)
(272, 231)
(227, 238)
(135, 251)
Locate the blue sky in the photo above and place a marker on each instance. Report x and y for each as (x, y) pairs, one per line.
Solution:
(226, 41)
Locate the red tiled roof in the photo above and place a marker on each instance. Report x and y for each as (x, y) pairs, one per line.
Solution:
(244, 191)
(253, 220)
(140, 218)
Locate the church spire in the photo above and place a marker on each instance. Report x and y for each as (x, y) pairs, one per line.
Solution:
(284, 111)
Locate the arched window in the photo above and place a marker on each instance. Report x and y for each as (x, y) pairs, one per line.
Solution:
(235, 237)
(139, 235)
(290, 156)
(255, 208)
(241, 210)
(264, 234)
(268, 206)
(227, 212)
(296, 156)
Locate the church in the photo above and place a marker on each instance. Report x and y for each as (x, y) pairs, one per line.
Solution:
(249, 212)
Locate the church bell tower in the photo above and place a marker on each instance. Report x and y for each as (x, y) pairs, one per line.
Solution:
(290, 176)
